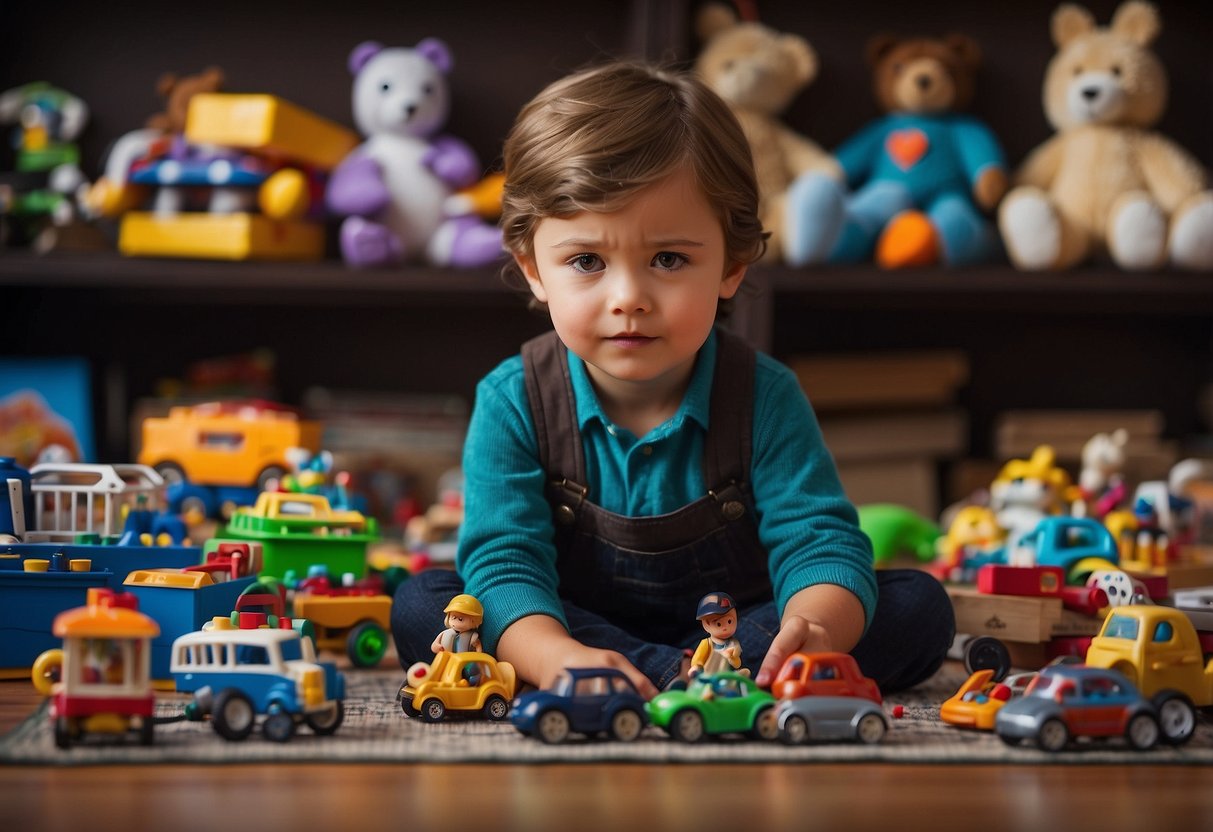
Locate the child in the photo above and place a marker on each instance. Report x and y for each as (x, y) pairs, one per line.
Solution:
(638, 457)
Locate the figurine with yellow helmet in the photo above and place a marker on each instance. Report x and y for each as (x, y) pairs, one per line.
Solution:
(462, 634)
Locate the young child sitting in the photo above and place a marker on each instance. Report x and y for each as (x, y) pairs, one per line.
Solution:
(639, 457)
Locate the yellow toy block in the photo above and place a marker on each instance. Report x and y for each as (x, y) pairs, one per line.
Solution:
(220, 237)
(267, 124)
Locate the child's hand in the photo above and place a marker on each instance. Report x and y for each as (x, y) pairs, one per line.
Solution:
(796, 635)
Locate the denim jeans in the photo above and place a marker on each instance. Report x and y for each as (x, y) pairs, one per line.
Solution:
(906, 642)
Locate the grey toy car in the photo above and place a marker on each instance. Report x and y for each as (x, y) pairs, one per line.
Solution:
(825, 718)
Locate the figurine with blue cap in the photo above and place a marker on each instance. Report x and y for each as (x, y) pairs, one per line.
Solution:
(719, 651)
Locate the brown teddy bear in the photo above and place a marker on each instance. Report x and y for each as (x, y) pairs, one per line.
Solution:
(920, 177)
(758, 71)
(177, 92)
(1106, 180)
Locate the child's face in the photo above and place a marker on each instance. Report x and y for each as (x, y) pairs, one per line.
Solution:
(721, 627)
(634, 292)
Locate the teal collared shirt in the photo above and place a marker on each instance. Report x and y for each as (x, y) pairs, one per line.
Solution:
(506, 555)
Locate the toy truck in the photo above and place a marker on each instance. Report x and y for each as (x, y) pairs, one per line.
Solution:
(1160, 651)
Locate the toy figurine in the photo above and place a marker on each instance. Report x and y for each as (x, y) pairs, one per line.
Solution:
(463, 616)
(719, 651)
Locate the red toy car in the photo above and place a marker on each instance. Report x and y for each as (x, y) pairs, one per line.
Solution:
(823, 674)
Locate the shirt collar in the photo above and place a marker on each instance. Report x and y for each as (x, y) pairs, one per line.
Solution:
(695, 404)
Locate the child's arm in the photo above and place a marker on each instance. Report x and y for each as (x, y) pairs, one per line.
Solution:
(539, 647)
(823, 617)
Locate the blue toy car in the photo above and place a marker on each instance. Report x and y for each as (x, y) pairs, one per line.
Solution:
(585, 701)
(1064, 541)
(1065, 702)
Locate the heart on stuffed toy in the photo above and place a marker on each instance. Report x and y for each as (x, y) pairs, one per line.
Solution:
(906, 147)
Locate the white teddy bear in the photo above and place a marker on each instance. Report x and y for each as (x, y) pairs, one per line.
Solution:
(393, 187)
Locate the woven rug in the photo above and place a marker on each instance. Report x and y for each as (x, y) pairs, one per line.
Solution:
(375, 730)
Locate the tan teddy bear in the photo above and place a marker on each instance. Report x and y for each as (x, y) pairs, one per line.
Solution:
(758, 71)
(1105, 180)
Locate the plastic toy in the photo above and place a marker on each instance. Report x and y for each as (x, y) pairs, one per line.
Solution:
(1160, 650)
(823, 674)
(352, 619)
(238, 674)
(1107, 180)
(1067, 702)
(1025, 492)
(394, 187)
(717, 612)
(1101, 482)
(921, 175)
(469, 683)
(977, 701)
(974, 537)
(895, 530)
(232, 443)
(298, 531)
(464, 614)
(721, 703)
(584, 701)
(1067, 541)
(826, 718)
(104, 670)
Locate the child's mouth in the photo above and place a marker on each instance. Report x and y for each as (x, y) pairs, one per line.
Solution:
(630, 340)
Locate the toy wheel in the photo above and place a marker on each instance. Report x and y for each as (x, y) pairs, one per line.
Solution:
(496, 708)
(626, 725)
(987, 653)
(766, 727)
(234, 714)
(795, 730)
(268, 476)
(64, 732)
(327, 722)
(552, 727)
(1053, 735)
(171, 472)
(1009, 740)
(432, 710)
(47, 669)
(147, 731)
(687, 726)
(1142, 732)
(366, 644)
(279, 727)
(871, 729)
(1176, 717)
(406, 705)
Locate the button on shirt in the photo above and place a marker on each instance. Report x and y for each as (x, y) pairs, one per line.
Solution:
(506, 556)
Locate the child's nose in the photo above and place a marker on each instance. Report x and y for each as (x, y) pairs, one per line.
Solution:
(628, 293)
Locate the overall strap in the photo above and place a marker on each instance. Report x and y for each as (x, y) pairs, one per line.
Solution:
(549, 389)
(727, 448)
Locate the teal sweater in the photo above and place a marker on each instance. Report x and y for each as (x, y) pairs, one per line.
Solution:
(506, 554)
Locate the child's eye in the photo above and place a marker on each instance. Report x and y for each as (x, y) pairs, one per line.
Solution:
(586, 263)
(669, 260)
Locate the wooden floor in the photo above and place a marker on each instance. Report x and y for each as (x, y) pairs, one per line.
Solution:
(624, 798)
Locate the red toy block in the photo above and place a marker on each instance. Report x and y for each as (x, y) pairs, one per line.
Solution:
(1033, 581)
(1085, 599)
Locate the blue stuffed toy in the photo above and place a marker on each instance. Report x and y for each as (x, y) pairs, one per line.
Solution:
(920, 179)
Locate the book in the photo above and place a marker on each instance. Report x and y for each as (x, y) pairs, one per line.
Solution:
(880, 380)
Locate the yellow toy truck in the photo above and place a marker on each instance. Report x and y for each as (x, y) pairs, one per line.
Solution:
(464, 682)
(1160, 651)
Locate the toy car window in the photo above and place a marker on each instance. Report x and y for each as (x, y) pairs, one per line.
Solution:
(1121, 626)
(594, 686)
(220, 441)
(251, 654)
(825, 671)
(295, 508)
(1164, 631)
(621, 685)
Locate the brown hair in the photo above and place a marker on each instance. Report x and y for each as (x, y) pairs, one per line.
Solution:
(590, 141)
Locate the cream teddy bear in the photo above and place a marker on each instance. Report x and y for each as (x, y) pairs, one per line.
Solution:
(758, 72)
(1106, 180)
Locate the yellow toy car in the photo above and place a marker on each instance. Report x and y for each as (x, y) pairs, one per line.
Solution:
(465, 682)
(976, 703)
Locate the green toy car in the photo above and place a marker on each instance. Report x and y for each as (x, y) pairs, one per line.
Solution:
(723, 703)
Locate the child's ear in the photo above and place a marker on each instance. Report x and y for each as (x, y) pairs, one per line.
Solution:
(732, 280)
(530, 271)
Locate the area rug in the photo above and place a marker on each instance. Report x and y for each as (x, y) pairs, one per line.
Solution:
(375, 730)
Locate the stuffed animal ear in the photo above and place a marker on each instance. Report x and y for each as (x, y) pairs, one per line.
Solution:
(802, 56)
(879, 46)
(965, 49)
(437, 53)
(1138, 21)
(165, 84)
(212, 78)
(362, 53)
(1070, 21)
(713, 19)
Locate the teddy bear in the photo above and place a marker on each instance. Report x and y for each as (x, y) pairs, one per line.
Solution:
(758, 71)
(1106, 180)
(392, 188)
(918, 179)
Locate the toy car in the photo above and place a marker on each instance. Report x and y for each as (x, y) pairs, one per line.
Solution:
(823, 718)
(823, 674)
(235, 675)
(981, 696)
(585, 701)
(467, 682)
(721, 703)
(1069, 701)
